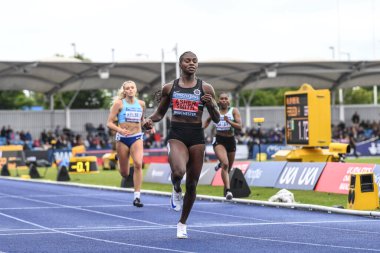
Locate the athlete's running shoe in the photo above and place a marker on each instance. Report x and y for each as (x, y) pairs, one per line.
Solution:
(181, 231)
(176, 200)
(217, 167)
(229, 195)
(137, 203)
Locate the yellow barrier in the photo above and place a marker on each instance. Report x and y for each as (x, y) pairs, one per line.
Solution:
(78, 150)
(363, 193)
(83, 164)
(11, 148)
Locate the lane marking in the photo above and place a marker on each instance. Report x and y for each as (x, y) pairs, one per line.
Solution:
(88, 210)
(88, 206)
(65, 207)
(284, 241)
(135, 228)
(298, 224)
(92, 238)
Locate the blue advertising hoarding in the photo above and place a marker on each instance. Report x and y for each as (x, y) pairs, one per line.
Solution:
(264, 174)
(161, 172)
(300, 176)
(368, 148)
(376, 171)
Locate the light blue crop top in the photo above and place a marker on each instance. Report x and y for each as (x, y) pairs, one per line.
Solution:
(130, 112)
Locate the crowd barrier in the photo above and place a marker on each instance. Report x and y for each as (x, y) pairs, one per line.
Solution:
(369, 147)
(322, 177)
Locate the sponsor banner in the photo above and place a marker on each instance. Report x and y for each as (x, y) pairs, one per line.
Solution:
(161, 172)
(40, 154)
(367, 148)
(300, 176)
(376, 171)
(150, 155)
(269, 149)
(242, 165)
(336, 176)
(156, 155)
(263, 174)
(12, 158)
(62, 154)
(155, 159)
(241, 152)
(207, 174)
(158, 173)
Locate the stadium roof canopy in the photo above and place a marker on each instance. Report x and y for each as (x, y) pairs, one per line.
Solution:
(52, 76)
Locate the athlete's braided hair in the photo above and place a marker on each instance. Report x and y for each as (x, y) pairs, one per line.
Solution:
(157, 95)
(182, 55)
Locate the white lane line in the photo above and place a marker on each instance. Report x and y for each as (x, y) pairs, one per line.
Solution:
(88, 231)
(63, 207)
(92, 238)
(88, 210)
(214, 213)
(299, 224)
(79, 228)
(285, 241)
(59, 195)
(133, 228)
(89, 206)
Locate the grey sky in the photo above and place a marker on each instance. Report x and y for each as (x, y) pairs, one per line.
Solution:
(247, 30)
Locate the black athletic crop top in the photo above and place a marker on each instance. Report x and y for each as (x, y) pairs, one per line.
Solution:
(186, 102)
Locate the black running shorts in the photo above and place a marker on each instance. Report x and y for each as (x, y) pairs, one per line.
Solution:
(188, 133)
(228, 142)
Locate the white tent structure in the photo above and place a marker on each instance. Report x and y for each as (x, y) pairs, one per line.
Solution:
(55, 75)
(50, 76)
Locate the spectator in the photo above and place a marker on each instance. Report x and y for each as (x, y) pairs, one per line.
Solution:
(3, 132)
(355, 118)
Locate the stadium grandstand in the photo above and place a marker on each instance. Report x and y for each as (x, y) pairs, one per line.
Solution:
(55, 75)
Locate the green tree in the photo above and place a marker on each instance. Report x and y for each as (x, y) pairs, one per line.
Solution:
(265, 97)
(12, 100)
(86, 99)
(358, 95)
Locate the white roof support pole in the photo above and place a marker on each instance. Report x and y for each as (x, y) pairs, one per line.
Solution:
(375, 94)
(247, 103)
(248, 116)
(68, 117)
(51, 101)
(341, 105)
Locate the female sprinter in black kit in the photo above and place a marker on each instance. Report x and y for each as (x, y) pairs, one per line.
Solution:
(187, 96)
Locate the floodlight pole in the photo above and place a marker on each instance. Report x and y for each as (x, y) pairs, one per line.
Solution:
(74, 48)
(258, 134)
(177, 74)
(332, 52)
(163, 81)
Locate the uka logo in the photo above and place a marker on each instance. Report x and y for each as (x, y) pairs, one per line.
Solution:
(374, 149)
(290, 174)
(59, 156)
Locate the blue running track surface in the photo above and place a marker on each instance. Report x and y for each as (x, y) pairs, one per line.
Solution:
(39, 217)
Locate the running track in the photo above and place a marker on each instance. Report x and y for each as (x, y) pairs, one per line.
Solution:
(40, 217)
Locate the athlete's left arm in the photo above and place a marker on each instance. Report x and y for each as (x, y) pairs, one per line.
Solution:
(237, 119)
(209, 100)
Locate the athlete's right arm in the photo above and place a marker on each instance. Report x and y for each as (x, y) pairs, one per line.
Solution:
(207, 123)
(162, 107)
(115, 109)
